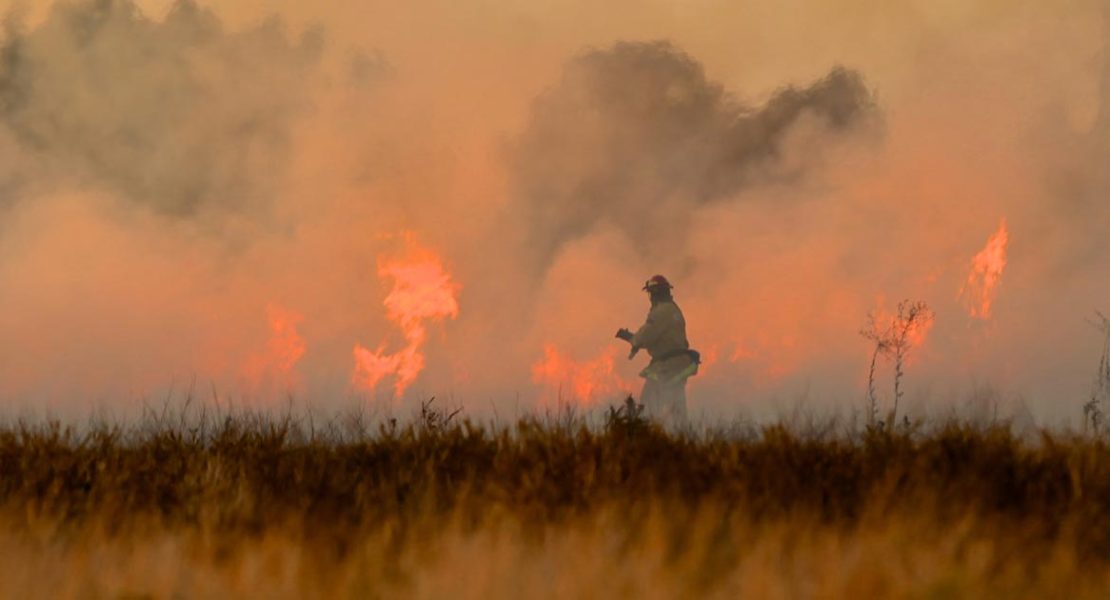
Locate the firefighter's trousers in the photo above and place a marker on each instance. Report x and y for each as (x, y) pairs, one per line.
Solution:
(665, 401)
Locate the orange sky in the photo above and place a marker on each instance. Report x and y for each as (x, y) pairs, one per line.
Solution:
(301, 161)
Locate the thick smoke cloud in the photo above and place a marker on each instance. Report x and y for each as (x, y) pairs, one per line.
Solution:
(636, 136)
(177, 115)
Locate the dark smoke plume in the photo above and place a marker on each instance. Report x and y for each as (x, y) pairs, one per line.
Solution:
(177, 115)
(635, 136)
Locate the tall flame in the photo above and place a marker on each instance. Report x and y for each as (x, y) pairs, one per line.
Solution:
(981, 286)
(274, 367)
(422, 291)
(584, 383)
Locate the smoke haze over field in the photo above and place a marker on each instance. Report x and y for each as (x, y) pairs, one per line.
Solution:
(204, 192)
(634, 136)
(175, 114)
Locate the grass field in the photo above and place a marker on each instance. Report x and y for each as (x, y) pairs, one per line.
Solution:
(286, 507)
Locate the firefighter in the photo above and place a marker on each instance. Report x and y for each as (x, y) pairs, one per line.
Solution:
(663, 335)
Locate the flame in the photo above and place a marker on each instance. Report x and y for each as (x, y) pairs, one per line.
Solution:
(274, 367)
(422, 291)
(981, 287)
(584, 383)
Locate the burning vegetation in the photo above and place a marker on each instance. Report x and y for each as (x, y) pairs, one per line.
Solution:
(981, 286)
(272, 371)
(422, 292)
(567, 382)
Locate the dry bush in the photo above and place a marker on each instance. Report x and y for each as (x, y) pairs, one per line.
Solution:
(1094, 412)
(893, 337)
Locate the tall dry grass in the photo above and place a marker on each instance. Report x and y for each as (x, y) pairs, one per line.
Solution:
(284, 507)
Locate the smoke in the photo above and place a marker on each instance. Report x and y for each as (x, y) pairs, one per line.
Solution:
(178, 115)
(552, 166)
(635, 136)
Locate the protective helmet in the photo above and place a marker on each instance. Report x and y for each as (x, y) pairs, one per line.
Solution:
(657, 282)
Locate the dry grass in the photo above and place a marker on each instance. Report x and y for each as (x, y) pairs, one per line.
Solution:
(280, 508)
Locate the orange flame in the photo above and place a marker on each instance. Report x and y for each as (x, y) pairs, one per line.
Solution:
(422, 291)
(274, 367)
(584, 383)
(981, 287)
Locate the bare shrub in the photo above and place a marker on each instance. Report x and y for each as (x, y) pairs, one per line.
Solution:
(893, 337)
(1094, 409)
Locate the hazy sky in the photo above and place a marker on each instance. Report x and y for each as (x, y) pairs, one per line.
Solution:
(214, 192)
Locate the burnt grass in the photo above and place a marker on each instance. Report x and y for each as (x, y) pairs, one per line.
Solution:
(244, 475)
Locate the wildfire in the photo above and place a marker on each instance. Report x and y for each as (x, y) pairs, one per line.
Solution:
(422, 291)
(584, 383)
(274, 367)
(981, 286)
